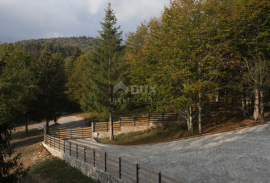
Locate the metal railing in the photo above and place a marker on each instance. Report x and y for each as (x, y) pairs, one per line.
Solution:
(123, 169)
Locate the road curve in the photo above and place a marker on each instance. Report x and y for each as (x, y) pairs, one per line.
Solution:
(237, 156)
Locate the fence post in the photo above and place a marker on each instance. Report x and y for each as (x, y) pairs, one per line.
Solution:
(59, 143)
(59, 133)
(76, 151)
(105, 159)
(70, 133)
(64, 146)
(94, 154)
(162, 116)
(53, 142)
(84, 152)
(120, 124)
(107, 125)
(134, 121)
(70, 148)
(159, 177)
(137, 173)
(119, 167)
(50, 141)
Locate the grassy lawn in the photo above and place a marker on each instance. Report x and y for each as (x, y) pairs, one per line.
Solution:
(55, 170)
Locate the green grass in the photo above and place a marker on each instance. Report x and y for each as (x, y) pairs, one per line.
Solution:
(23, 135)
(150, 135)
(56, 170)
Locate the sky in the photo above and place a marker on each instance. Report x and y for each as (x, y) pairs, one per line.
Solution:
(34, 19)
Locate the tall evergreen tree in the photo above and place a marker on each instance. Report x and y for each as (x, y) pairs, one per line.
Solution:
(50, 73)
(105, 70)
(70, 61)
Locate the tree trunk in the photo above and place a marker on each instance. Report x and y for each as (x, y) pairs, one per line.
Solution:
(244, 103)
(26, 124)
(225, 96)
(216, 95)
(200, 100)
(47, 127)
(200, 112)
(111, 127)
(189, 117)
(110, 99)
(256, 113)
(262, 105)
(248, 103)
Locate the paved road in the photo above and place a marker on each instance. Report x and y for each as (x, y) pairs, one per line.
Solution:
(239, 156)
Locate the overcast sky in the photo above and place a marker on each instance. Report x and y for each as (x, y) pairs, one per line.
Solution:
(33, 19)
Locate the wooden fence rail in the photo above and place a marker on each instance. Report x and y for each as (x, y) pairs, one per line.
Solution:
(123, 169)
(163, 117)
(72, 133)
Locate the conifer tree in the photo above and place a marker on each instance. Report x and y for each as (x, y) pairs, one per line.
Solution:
(49, 71)
(105, 70)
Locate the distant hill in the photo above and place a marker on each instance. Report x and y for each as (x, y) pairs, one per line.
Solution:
(64, 45)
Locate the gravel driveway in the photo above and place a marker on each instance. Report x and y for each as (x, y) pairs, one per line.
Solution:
(235, 156)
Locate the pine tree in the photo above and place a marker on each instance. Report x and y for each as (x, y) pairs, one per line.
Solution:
(105, 70)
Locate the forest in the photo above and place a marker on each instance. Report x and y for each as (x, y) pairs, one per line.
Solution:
(195, 52)
(63, 45)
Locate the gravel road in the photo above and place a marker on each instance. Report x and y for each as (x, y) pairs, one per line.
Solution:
(237, 156)
(65, 121)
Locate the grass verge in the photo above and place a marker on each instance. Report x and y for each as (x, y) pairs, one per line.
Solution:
(162, 133)
(210, 124)
(55, 170)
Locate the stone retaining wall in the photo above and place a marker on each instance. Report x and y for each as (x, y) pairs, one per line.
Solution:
(127, 129)
(87, 169)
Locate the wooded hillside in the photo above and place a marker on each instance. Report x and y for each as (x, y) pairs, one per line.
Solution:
(64, 45)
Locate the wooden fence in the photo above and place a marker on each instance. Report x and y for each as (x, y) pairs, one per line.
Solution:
(162, 117)
(123, 169)
(105, 126)
(72, 133)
